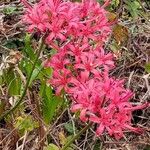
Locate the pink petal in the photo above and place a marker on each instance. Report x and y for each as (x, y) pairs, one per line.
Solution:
(100, 129)
(83, 115)
(76, 107)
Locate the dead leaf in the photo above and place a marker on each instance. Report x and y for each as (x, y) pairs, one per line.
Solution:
(111, 16)
(120, 34)
(14, 57)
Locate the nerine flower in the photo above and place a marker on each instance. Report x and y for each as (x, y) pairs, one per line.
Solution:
(81, 66)
(63, 20)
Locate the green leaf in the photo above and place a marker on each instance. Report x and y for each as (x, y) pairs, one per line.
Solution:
(13, 43)
(98, 145)
(72, 146)
(147, 148)
(147, 67)
(115, 3)
(25, 123)
(9, 76)
(62, 138)
(15, 87)
(35, 74)
(133, 7)
(50, 102)
(45, 72)
(28, 47)
(26, 67)
(1, 79)
(69, 128)
(51, 147)
(13, 82)
(9, 10)
(101, 1)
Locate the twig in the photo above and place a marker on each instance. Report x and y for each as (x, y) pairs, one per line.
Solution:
(49, 129)
(130, 77)
(24, 140)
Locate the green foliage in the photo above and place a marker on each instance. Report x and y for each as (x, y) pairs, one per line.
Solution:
(65, 139)
(115, 3)
(50, 103)
(13, 82)
(9, 76)
(69, 128)
(13, 43)
(134, 8)
(35, 74)
(147, 148)
(9, 10)
(28, 50)
(51, 147)
(27, 63)
(98, 145)
(15, 86)
(25, 124)
(100, 1)
(1, 79)
(114, 46)
(147, 67)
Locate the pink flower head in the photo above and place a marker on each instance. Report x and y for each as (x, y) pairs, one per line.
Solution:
(81, 66)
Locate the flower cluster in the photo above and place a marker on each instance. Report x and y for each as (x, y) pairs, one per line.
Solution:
(78, 32)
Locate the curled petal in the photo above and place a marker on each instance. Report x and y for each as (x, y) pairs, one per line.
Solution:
(100, 129)
(76, 107)
(83, 115)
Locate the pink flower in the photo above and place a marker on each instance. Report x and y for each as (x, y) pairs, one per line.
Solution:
(114, 121)
(60, 80)
(57, 61)
(105, 60)
(36, 18)
(88, 63)
(76, 50)
(81, 67)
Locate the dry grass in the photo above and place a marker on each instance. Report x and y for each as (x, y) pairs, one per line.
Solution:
(130, 65)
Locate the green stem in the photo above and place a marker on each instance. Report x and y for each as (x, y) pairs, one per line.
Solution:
(76, 136)
(27, 83)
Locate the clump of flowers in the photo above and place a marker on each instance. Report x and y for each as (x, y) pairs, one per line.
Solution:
(78, 32)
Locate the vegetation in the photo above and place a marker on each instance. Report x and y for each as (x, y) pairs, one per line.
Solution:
(36, 115)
